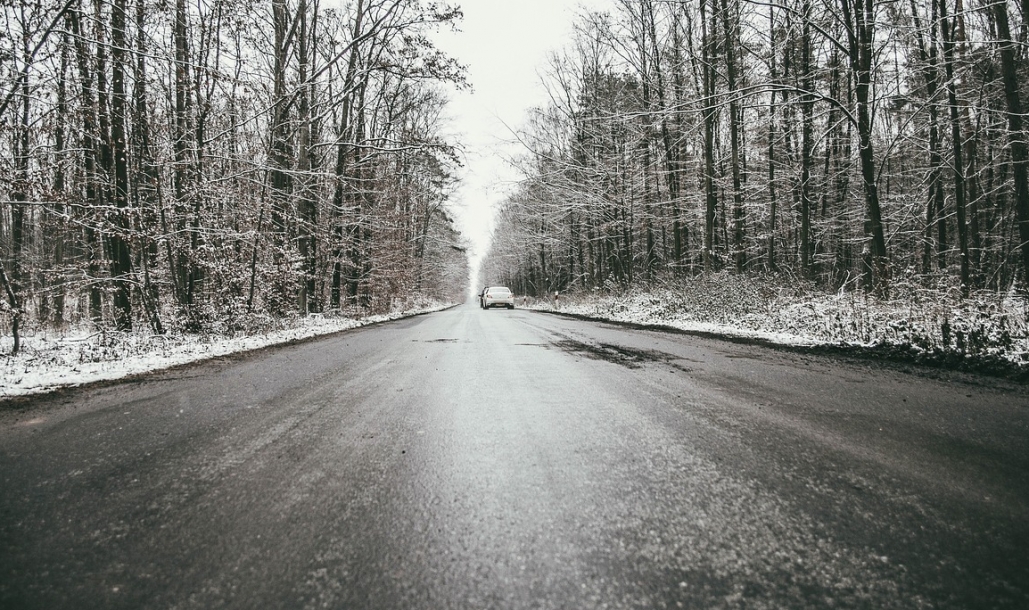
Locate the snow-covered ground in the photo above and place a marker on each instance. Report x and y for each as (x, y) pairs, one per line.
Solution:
(923, 322)
(48, 361)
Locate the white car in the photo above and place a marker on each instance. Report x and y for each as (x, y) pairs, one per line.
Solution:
(498, 296)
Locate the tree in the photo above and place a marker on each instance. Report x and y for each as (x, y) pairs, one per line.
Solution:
(250, 216)
(1016, 134)
(859, 23)
(121, 256)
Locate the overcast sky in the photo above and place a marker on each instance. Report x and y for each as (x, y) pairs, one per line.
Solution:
(505, 44)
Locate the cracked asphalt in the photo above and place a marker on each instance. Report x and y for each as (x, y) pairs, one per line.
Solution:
(514, 459)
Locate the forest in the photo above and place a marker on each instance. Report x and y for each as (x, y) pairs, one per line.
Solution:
(200, 166)
(853, 145)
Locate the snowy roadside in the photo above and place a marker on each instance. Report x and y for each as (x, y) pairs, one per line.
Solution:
(636, 312)
(47, 362)
(982, 332)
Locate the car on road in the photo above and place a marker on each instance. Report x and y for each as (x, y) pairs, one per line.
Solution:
(498, 296)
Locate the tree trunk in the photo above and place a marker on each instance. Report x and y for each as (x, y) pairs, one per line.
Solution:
(15, 305)
(711, 198)
(859, 19)
(147, 180)
(280, 157)
(679, 228)
(730, 30)
(947, 30)
(670, 156)
(807, 103)
(57, 286)
(934, 216)
(1016, 136)
(20, 187)
(121, 258)
(307, 241)
(772, 111)
(93, 194)
(182, 262)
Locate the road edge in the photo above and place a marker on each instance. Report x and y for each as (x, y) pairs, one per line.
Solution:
(24, 402)
(983, 369)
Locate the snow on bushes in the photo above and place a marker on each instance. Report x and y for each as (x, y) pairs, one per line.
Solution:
(927, 321)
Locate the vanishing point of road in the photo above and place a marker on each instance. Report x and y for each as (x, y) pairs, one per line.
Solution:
(514, 459)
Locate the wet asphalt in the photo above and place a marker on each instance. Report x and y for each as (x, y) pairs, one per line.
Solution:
(514, 459)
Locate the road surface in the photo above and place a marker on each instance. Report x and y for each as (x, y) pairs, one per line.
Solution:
(514, 459)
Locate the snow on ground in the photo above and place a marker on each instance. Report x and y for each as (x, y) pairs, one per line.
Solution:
(929, 322)
(932, 322)
(648, 311)
(48, 361)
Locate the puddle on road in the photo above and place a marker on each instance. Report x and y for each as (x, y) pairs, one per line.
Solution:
(742, 357)
(619, 354)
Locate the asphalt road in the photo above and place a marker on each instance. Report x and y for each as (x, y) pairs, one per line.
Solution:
(512, 459)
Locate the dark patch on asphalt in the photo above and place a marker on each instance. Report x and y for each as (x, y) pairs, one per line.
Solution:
(619, 354)
(977, 370)
(442, 341)
(742, 357)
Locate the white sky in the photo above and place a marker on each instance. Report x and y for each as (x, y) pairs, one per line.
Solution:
(505, 44)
